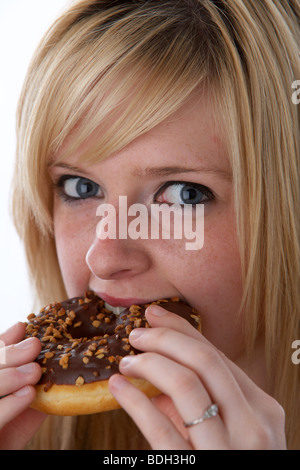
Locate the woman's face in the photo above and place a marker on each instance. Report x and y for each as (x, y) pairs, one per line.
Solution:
(189, 149)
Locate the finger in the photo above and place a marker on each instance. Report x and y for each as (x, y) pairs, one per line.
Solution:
(184, 387)
(20, 353)
(204, 361)
(12, 405)
(13, 379)
(14, 334)
(159, 316)
(237, 408)
(26, 424)
(166, 406)
(155, 426)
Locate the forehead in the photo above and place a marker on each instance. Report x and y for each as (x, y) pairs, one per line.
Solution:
(191, 136)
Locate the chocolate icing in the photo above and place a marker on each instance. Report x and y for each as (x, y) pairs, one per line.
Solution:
(81, 338)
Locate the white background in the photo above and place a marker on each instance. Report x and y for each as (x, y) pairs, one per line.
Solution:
(22, 24)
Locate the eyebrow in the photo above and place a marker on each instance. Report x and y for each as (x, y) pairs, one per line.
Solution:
(170, 170)
(67, 166)
(149, 172)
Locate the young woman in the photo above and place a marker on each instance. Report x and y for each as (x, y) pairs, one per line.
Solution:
(181, 102)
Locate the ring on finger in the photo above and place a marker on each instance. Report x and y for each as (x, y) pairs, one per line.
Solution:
(210, 412)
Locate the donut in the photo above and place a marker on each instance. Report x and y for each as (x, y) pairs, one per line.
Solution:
(82, 345)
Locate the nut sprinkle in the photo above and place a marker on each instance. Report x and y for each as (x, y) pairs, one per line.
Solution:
(84, 342)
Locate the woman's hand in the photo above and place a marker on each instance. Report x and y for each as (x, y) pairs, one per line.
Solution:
(192, 375)
(18, 374)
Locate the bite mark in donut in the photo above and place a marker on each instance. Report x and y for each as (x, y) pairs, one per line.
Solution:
(82, 345)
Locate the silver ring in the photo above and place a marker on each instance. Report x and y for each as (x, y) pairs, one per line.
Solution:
(211, 411)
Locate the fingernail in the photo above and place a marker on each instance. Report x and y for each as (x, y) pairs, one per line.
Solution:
(157, 311)
(118, 382)
(26, 368)
(136, 333)
(126, 361)
(23, 391)
(27, 343)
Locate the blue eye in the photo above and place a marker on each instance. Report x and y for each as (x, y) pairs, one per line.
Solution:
(75, 187)
(174, 192)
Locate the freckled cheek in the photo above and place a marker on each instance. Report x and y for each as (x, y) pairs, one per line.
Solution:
(210, 276)
(221, 267)
(73, 237)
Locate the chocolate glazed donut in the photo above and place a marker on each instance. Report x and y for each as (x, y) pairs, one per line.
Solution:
(82, 345)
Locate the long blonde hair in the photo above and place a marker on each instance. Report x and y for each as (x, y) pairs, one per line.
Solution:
(124, 67)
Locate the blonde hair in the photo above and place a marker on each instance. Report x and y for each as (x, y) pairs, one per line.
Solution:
(124, 67)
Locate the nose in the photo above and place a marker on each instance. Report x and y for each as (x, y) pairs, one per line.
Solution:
(114, 259)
